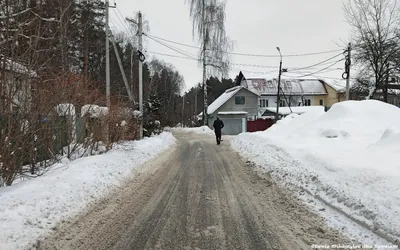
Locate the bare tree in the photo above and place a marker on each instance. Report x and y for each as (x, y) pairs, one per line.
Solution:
(375, 24)
(208, 18)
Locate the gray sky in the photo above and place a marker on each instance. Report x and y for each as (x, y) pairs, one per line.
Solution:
(255, 26)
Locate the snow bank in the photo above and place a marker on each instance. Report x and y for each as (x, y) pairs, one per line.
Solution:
(204, 130)
(346, 157)
(30, 209)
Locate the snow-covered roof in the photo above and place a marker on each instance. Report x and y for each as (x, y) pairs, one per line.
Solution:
(222, 99)
(312, 87)
(94, 111)
(16, 67)
(338, 85)
(288, 86)
(296, 110)
(233, 113)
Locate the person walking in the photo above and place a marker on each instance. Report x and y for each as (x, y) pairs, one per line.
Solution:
(218, 125)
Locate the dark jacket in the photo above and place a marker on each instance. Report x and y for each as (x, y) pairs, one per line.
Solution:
(218, 125)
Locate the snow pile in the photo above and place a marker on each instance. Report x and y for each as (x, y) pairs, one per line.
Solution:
(345, 157)
(93, 111)
(30, 209)
(204, 130)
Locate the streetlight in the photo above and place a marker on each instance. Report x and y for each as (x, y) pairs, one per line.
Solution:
(278, 102)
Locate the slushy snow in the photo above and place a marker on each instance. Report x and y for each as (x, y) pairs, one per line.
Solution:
(347, 157)
(30, 209)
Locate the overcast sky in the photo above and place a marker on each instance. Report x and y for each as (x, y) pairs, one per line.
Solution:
(255, 26)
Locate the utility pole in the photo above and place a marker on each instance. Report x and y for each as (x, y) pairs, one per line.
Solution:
(195, 104)
(183, 110)
(132, 84)
(140, 29)
(205, 106)
(348, 65)
(278, 101)
(108, 93)
(133, 22)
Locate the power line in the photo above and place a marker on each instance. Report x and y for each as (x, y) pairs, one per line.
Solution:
(124, 23)
(193, 59)
(251, 55)
(320, 63)
(166, 40)
(237, 64)
(254, 72)
(182, 52)
(175, 56)
(288, 55)
(325, 71)
(248, 65)
(319, 71)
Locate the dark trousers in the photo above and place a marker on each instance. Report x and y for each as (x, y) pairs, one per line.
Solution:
(218, 136)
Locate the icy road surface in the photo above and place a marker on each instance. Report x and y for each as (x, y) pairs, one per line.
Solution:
(196, 195)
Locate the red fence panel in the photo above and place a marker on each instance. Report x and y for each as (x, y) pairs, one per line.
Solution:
(259, 125)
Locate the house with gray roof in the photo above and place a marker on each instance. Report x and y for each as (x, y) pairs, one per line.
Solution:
(294, 92)
(234, 107)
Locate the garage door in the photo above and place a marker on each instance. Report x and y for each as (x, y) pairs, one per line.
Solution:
(232, 126)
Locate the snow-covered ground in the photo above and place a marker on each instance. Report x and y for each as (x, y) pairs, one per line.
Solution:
(204, 130)
(347, 157)
(32, 208)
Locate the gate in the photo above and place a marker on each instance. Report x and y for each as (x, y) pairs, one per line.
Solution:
(259, 125)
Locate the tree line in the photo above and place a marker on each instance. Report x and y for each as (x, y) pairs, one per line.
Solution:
(52, 54)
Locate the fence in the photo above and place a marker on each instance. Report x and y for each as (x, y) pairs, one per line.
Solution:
(259, 125)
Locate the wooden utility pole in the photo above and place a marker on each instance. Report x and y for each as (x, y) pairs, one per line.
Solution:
(108, 92)
(140, 29)
(205, 106)
(278, 99)
(348, 65)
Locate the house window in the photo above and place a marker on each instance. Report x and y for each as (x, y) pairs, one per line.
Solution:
(270, 84)
(283, 103)
(240, 100)
(289, 84)
(263, 103)
(321, 102)
(307, 102)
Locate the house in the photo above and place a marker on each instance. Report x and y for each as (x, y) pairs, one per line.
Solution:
(294, 92)
(234, 107)
(15, 87)
(336, 91)
(269, 113)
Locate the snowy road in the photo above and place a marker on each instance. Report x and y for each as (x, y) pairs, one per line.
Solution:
(196, 195)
